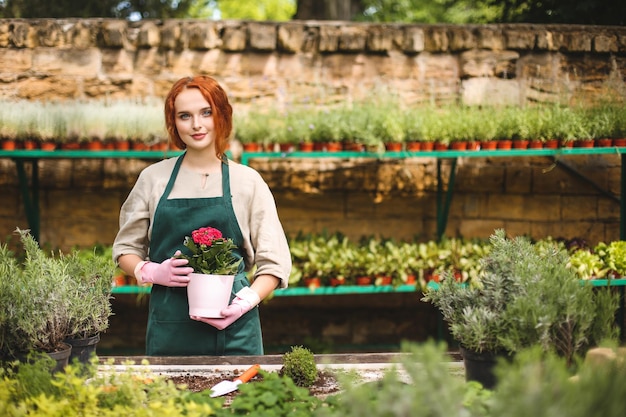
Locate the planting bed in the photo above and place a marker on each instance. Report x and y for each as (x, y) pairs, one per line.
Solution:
(200, 373)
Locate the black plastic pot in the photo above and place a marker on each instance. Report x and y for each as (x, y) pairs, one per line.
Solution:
(479, 366)
(83, 349)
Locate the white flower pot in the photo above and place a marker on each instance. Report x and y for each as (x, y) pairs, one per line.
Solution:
(208, 295)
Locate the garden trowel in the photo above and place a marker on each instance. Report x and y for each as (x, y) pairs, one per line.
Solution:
(225, 387)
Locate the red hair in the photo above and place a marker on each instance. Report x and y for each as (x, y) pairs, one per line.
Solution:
(217, 98)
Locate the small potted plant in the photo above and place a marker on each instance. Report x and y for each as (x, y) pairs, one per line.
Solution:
(214, 264)
(523, 297)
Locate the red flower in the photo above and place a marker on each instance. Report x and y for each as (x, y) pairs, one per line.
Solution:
(206, 236)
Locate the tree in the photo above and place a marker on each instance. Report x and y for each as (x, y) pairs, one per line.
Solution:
(329, 9)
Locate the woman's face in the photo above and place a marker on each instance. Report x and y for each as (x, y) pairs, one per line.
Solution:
(194, 119)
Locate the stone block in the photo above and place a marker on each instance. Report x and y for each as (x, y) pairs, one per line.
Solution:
(5, 34)
(262, 36)
(513, 207)
(23, 35)
(490, 37)
(413, 40)
(69, 62)
(15, 60)
(234, 38)
(50, 33)
(605, 43)
(483, 63)
(476, 91)
(436, 39)
(352, 38)
(518, 179)
(149, 35)
(49, 88)
(542, 208)
(381, 38)
(461, 38)
(608, 209)
(82, 35)
(118, 63)
(113, 33)
(291, 37)
(329, 38)
(170, 35)
(520, 39)
(203, 36)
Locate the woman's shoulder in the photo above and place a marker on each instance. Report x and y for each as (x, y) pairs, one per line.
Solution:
(242, 172)
(158, 169)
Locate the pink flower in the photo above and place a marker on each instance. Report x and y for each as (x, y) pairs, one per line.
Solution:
(206, 236)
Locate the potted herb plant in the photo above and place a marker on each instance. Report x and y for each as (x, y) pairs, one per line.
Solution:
(523, 297)
(91, 274)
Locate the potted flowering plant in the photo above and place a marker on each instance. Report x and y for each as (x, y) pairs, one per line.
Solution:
(211, 253)
(214, 266)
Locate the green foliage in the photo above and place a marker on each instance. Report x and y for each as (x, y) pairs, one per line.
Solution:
(541, 384)
(48, 298)
(408, 389)
(526, 295)
(276, 10)
(273, 396)
(299, 365)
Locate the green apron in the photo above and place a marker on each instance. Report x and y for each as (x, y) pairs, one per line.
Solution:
(170, 330)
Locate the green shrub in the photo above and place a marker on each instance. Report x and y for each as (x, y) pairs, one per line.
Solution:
(299, 365)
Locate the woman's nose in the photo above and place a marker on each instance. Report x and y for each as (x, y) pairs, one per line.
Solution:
(196, 123)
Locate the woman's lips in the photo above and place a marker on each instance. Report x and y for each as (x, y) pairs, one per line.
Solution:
(198, 136)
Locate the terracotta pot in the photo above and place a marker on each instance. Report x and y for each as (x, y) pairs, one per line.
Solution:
(584, 143)
(122, 145)
(335, 282)
(428, 146)
(364, 280)
(139, 146)
(520, 144)
(413, 146)
(473, 145)
(603, 143)
(384, 280)
(94, 145)
(251, 147)
(286, 147)
(458, 145)
(354, 147)
(70, 146)
(334, 147)
(393, 146)
(8, 145)
(410, 280)
(621, 142)
(551, 143)
(535, 144)
(305, 146)
(489, 144)
(48, 146)
(209, 294)
(440, 146)
(313, 282)
(504, 144)
(29, 145)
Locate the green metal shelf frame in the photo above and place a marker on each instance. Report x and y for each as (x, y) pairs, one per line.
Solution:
(443, 201)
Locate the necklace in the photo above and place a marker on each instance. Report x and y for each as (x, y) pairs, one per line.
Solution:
(205, 177)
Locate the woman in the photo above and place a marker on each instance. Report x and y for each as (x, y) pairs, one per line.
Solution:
(201, 188)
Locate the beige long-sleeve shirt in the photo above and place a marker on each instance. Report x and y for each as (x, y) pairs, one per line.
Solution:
(264, 241)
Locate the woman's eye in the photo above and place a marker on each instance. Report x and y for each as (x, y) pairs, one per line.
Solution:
(207, 113)
(184, 116)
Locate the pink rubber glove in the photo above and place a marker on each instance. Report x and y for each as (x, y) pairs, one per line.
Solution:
(245, 300)
(171, 272)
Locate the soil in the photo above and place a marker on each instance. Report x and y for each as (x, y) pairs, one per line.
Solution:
(325, 384)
